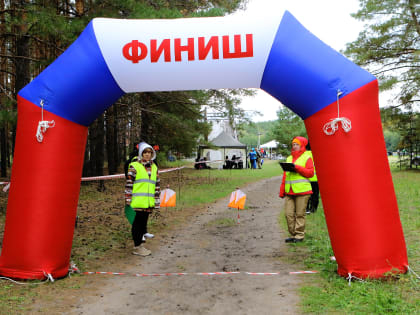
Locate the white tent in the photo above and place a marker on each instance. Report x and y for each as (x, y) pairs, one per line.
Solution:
(223, 145)
(270, 145)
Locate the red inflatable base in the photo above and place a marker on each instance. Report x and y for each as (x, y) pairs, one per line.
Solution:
(356, 188)
(43, 196)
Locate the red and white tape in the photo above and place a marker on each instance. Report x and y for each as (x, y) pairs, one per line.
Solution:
(194, 273)
(118, 176)
(213, 161)
(106, 177)
(86, 179)
(160, 274)
(262, 273)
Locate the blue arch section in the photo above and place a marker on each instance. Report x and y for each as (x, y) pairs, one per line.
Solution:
(78, 85)
(304, 73)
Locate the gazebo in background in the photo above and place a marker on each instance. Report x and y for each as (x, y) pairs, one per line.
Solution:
(270, 147)
(221, 146)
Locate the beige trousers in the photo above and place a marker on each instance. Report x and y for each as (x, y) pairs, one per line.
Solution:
(295, 211)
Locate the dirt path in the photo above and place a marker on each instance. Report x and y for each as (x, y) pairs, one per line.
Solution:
(205, 245)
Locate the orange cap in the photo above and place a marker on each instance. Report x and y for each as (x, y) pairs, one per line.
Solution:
(296, 140)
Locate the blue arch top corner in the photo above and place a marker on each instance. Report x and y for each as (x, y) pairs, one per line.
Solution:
(78, 85)
(304, 73)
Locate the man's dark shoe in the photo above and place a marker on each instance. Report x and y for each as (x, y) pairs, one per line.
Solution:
(289, 240)
(298, 240)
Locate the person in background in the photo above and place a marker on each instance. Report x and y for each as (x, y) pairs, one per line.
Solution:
(196, 164)
(253, 158)
(204, 165)
(240, 162)
(234, 161)
(258, 158)
(228, 163)
(314, 199)
(296, 189)
(142, 192)
(131, 158)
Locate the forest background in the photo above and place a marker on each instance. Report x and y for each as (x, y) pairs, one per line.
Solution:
(33, 33)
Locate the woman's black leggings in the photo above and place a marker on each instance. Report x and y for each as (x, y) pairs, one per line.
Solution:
(139, 227)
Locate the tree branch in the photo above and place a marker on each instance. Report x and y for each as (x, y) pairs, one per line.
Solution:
(46, 43)
(141, 108)
(412, 7)
(8, 72)
(13, 10)
(19, 57)
(7, 94)
(402, 104)
(394, 68)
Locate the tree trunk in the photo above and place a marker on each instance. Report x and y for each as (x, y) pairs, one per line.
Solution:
(80, 7)
(412, 8)
(3, 152)
(22, 66)
(3, 134)
(116, 132)
(111, 146)
(97, 149)
(123, 140)
(86, 160)
(100, 150)
(8, 155)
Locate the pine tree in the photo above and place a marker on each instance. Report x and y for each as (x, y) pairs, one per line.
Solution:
(389, 46)
(288, 126)
(33, 33)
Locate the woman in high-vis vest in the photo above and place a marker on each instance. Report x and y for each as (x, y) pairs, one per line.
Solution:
(142, 192)
(296, 188)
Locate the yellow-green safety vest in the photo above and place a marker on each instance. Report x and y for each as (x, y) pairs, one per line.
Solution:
(314, 178)
(298, 183)
(143, 187)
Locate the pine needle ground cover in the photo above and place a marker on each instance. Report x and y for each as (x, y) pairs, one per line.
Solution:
(328, 293)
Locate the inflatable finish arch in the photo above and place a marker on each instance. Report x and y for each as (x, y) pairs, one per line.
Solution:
(113, 57)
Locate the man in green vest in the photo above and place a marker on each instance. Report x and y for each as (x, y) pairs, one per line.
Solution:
(314, 199)
(296, 189)
(142, 192)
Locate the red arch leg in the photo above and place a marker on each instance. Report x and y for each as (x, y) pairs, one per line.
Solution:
(356, 188)
(43, 196)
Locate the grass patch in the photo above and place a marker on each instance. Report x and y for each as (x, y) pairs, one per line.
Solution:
(330, 293)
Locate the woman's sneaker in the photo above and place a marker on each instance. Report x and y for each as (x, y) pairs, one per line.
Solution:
(149, 235)
(141, 251)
